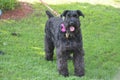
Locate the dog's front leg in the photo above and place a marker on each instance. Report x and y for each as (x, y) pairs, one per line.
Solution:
(78, 59)
(62, 63)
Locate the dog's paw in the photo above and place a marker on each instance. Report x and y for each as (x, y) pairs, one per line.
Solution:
(48, 59)
(80, 74)
(65, 74)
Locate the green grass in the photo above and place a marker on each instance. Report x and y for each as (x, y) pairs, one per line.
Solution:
(24, 54)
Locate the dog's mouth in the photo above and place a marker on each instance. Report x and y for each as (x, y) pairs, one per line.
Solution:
(72, 28)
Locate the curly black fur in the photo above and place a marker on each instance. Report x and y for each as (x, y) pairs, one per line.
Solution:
(65, 42)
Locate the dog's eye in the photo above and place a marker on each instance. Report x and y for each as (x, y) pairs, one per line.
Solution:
(75, 15)
(68, 15)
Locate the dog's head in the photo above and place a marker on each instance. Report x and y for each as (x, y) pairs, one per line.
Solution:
(72, 16)
(72, 22)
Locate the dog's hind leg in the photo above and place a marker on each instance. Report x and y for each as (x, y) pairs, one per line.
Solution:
(49, 49)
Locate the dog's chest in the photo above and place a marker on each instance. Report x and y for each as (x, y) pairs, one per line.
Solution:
(70, 45)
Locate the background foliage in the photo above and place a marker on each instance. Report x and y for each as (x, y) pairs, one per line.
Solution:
(8, 4)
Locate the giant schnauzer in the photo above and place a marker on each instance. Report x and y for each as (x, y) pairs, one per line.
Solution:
(64, 33)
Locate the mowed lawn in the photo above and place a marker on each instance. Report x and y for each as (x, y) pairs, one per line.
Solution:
(23, 57)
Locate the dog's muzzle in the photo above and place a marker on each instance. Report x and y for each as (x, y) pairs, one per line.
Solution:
(63, 29)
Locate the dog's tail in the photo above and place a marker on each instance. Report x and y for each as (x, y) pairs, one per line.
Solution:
(49, 14)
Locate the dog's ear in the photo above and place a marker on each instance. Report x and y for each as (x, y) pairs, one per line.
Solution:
(64, 13)
(80, 13)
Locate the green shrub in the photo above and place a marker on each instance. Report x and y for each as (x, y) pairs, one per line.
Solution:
(8, 4)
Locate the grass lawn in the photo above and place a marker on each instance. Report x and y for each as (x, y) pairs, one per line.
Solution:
(24, 54)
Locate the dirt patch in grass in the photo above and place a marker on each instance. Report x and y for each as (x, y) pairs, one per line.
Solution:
(22, 11)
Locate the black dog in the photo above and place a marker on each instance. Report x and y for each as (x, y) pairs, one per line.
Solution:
(64, 33)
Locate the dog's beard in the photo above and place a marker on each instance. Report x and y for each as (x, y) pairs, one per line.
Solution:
(71, 34)
(69, 31)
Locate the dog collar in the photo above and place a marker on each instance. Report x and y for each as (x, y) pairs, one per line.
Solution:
(63, 28)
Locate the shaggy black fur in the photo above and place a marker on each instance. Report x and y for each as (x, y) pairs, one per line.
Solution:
(64, 33)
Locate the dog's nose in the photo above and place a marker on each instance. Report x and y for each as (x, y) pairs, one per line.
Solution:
(71, 23)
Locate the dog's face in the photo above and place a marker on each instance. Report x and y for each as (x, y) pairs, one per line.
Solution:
(72, 22)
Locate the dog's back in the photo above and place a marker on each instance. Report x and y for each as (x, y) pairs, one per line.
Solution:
(52, 22)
